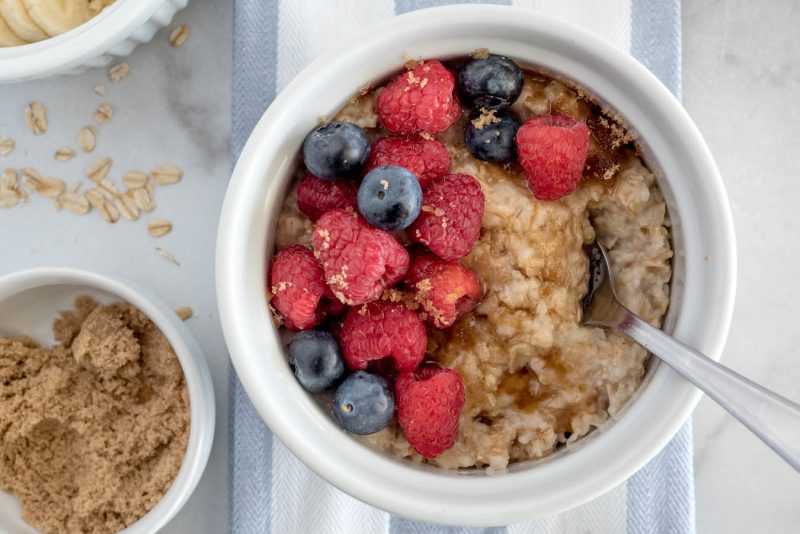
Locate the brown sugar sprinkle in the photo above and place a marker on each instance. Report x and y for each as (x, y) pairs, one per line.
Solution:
(486, 117)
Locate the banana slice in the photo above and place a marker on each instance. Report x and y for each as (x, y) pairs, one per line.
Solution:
(7, 37)
(15, 15)
(58, 16)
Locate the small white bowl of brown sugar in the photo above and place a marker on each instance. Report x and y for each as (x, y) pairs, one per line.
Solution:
(107, 413)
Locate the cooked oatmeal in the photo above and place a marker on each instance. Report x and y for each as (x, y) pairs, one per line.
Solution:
(534, 377)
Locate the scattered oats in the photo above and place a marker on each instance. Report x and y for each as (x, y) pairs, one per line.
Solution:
(8, 198)
(106, 185)
(134, 179)
(104, 113)
(64, 154)
(32, 177)
(74, 188)
(184, 312)
(48, 187)
(166, 255)
(150, 191)
(6, 146)
(480, 53)
(99, 169)
(87, 138)
(486, 118)
(76, 203)
(123, 209)
(108, 212)
(143, 200)
(118, 72)
(179, 35)
(94, 197)
(100, 89)
(8, 179)
(166, 174)
(159, 227)
(131, 209)
(36, 117)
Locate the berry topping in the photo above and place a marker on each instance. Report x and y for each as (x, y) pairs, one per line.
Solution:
(446, 290)
(297, 284)
(419, 100)
(429, 402)
(359, 261)
(492, 82)
(427, 158)
(450, 220)
(363, 403)
(316, 196)
(552, 151)
(383, 329)
(335, 149)
(490, 137)
(316, 360)
(390, 197)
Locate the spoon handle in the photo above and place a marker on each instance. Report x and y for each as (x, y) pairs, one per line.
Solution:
(772, 418)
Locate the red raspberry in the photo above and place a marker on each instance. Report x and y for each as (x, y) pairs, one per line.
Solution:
(297, 284)
(552, 151)
(359, 261)
(446, 290)
(419, 100)
(450, 220)
(429, 402)
(427, 158)
(316, 196)
(383, 329)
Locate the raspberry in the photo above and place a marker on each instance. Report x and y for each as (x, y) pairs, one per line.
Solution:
(450, 220)
(552, 151)
(315, 196)
(297, 284)
(446, 290)
(427, 158)
(429, 402)
(359, 261)
(383, 329)
(419, 100)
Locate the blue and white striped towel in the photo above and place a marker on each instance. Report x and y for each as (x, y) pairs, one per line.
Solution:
(272, 491)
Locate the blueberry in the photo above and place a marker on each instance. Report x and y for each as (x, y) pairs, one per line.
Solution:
(493, 141)
(493, 82)
(363, 403)
(335, 149)
(316, 359)
(390, 197)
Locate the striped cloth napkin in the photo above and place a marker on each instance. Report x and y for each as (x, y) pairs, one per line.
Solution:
(273, 492)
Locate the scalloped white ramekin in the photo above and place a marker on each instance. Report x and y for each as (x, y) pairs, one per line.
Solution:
(113, 33)
(30, 301)
(702, 289)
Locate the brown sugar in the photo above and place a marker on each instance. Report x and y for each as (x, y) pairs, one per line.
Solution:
(93, 430)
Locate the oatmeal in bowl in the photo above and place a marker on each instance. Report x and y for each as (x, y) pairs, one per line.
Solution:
(435, 366)
(551, 170)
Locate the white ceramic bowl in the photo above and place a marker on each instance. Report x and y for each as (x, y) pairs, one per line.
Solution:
(30, 301)
(113, 33)
(702, 289)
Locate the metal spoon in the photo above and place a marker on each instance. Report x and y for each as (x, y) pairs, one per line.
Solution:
(772, 418)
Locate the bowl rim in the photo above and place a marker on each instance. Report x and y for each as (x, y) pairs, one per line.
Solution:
(193, 364)
(437, 496)
(81, 44)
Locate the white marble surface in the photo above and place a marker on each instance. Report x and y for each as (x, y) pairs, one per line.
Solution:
(173, 108)
(741, 84)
